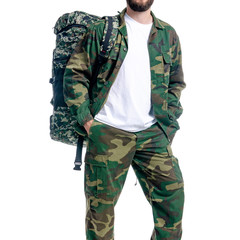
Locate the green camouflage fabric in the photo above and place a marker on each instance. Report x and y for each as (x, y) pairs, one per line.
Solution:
(69, 29)
(114, 33)
(85, 97)
(110, 152)
(62, 126)
(77, 17)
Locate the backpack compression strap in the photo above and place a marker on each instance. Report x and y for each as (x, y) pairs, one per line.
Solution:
(109, 37)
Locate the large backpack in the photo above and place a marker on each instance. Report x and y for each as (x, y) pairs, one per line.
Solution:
(70, 28)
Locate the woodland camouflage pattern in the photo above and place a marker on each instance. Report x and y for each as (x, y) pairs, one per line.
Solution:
(110, 151)
(86, 98)
(157, 170)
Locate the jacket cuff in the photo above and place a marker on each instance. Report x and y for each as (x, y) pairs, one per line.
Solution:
(82, 119)
(87, 118)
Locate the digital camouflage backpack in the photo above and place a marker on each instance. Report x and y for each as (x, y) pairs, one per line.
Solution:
(70, 28)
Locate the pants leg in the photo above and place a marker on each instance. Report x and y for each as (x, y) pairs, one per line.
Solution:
(161, 180)
(109, 154)
(108, 157)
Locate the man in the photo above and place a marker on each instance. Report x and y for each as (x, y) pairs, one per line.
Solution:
(130, 117)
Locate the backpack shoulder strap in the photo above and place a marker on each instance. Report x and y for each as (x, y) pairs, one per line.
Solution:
(108, 40)
(109, 37)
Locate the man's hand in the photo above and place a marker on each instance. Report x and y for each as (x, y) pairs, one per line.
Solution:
(87, 125)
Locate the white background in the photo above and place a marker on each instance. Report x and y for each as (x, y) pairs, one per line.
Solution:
(41, 197)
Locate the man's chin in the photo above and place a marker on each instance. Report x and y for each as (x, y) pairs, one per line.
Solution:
(137, 7)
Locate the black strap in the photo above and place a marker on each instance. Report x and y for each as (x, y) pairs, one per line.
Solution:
(78, 158)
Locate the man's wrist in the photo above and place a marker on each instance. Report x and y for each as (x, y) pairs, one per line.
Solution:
(87, 125)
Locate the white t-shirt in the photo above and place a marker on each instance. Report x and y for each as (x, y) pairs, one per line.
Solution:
(128, 106)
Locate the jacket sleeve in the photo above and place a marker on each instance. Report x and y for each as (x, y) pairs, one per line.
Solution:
(78, 75)
(176, 82)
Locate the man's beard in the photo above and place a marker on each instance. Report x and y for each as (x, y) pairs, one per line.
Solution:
(138, 7)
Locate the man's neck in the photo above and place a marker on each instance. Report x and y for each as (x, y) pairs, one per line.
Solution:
(141, 17)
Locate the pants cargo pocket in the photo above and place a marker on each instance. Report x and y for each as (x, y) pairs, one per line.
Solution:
(95, 180)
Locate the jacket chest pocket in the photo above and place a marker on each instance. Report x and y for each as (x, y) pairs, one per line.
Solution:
(160, 68)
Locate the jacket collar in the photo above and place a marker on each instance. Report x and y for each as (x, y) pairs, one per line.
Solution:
(122, 25)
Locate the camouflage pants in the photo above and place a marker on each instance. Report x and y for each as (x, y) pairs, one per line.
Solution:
(110, 152)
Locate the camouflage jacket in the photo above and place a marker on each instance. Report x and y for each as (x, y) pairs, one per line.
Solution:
(86, 96)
